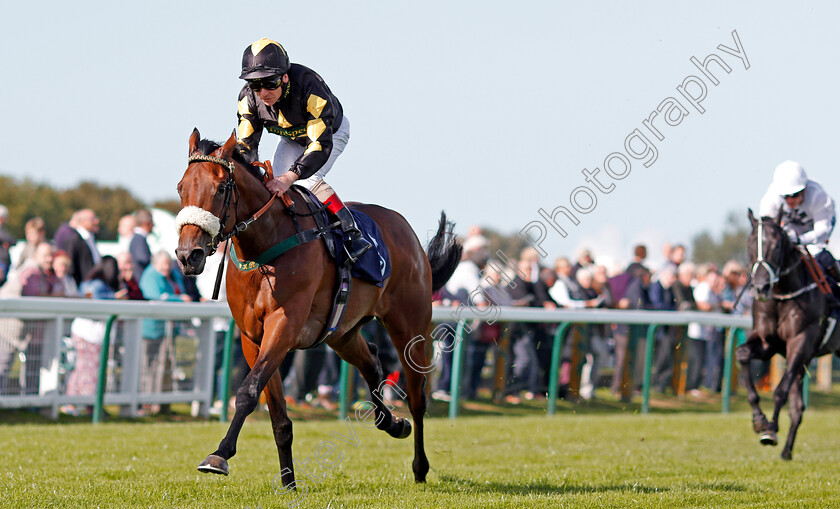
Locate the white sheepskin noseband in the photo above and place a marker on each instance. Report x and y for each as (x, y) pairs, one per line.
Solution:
(199, 217)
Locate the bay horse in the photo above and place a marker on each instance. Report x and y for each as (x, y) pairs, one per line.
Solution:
(791, 317)
(284, 304)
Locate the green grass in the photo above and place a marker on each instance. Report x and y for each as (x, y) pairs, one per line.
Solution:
(596, 456)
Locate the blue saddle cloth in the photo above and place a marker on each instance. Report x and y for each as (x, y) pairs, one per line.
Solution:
(375, 264)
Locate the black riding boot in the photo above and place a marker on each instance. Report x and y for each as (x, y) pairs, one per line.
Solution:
(829, 265)
(356, 244)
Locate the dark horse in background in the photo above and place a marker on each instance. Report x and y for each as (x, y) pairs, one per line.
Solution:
(284, 304)
(791, 317)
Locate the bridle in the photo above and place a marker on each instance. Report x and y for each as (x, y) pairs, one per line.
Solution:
(775, 274)
(228, 186)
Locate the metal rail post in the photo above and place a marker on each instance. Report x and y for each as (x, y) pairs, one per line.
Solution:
(103, 371)
(729, 352)
(556, 351)
(226, 367)
(651, 332)
(457, 367)
(343, 388)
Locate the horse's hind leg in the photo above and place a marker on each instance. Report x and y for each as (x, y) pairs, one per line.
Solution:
(412, 351)
(354, 349)
(797, 407)
(745, 353)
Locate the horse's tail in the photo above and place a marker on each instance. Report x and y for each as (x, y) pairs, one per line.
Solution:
(444, 253)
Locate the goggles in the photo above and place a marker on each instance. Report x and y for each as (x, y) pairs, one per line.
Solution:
(272, 83)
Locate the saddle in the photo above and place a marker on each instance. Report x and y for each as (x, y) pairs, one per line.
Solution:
(374, 265)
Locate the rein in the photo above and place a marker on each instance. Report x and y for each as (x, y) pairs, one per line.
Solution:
(219, 236)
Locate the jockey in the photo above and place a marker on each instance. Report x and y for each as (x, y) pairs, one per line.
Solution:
(293, 101)
(808, 216)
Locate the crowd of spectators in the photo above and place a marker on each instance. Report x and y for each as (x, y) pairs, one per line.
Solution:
(523, 350)
(71, 266)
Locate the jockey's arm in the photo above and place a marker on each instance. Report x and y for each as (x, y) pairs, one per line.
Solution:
(249, 130)
(823, 222)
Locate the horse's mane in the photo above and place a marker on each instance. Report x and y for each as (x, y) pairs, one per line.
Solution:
(207, 147)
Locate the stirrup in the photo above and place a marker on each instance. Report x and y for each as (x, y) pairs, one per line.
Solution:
(362, 246)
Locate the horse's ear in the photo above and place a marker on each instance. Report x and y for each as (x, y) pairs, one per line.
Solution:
(194, 137)
(227, 149)
(752, 217)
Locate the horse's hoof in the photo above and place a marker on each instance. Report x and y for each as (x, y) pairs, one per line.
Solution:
(787, 455)
(406, 429)
(769, 438)
(214, 465)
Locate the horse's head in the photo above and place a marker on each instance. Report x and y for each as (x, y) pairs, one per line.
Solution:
(766, 246)
(207, 199)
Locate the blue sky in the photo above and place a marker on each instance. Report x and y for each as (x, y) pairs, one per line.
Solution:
(489, 110)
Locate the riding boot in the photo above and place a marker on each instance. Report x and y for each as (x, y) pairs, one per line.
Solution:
(356, 245)
(833, 272)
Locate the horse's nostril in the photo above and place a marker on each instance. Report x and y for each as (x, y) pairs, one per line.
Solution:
(196, 255)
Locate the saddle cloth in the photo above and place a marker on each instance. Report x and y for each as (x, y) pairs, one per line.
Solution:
(375, 264)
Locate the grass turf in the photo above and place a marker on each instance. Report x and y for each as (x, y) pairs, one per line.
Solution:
(593, 457)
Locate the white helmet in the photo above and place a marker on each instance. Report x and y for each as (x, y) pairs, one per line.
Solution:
(789, 178)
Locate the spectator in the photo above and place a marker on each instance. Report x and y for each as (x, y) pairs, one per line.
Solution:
(62, 266)
(628, 339)
(707, 295)
(102, 282)
(34, 279)
(464, 286)
(523, 372)
(532, 257)
(125, 231)
(566, 291)
(35, 233)
(662, 298)
(596, 335)
(639, 256)
(128, 279)
(139, 244)
(544, 331)
(734, 299)
(6, 241)
(584, 261)
(78, 238)
(156, 284)
(37, 278)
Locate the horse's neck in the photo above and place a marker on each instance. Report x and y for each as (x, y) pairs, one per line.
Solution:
(271, 227)
(796, 276)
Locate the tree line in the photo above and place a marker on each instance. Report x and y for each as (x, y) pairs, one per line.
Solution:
(26, 199)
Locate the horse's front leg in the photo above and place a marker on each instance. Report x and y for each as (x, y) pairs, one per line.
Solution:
(745, 353)
(273, 348)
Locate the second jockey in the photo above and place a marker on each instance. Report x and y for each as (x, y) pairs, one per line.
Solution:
(808, 212)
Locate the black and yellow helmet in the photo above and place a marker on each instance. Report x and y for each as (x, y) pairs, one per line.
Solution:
(264, 58)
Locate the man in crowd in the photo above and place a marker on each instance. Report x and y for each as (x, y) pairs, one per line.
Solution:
(78, 239)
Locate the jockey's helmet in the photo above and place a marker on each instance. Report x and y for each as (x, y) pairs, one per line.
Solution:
(263, 59)
(789, 178)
